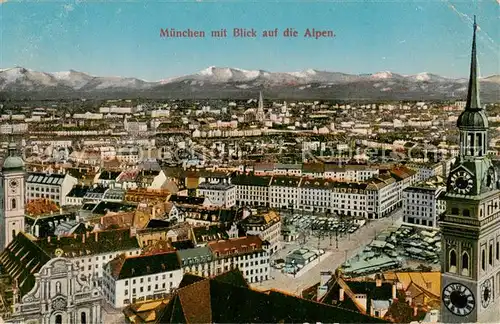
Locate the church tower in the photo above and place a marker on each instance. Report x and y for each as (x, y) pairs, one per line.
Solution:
(260, 115)
(470, 262)
(12, 193)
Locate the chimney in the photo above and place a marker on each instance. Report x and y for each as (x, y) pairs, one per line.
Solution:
(96, 236)
(48, 239)
(75, 236)
(83, 238)
(415, 311)
(378, 282)
(58, 237)
(341, 294)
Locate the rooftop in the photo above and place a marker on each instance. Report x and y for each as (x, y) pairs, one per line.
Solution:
(143, 265)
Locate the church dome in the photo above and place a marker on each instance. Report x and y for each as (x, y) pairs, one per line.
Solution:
(12, 163)
(473, 118)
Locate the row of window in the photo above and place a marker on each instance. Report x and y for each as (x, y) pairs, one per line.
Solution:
(156, 287)
(465, 265)
(42, 189)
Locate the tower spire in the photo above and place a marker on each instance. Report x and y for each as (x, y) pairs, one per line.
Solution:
(261, 101)
(473, 101)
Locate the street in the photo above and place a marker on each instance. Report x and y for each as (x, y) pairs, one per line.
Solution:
(347, 248)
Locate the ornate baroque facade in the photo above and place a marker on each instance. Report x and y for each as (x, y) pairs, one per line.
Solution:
(59, 296)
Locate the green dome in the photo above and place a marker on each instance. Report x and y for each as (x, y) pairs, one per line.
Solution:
(473, 118)
(12, 163)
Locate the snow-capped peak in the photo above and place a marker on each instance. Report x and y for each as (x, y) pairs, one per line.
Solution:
(382, 75)
(207, 71)
(423, 76)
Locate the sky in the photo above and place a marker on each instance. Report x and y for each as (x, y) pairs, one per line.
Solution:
(122, 38)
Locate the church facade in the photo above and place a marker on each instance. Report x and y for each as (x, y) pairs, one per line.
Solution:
(46, 289)
(58, 296)
(470, 263)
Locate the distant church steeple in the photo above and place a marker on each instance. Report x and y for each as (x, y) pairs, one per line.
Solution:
(260, 115)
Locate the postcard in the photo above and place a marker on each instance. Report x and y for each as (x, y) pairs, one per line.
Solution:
(232, 161)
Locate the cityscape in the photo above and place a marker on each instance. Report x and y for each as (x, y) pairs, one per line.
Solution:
(246, 196)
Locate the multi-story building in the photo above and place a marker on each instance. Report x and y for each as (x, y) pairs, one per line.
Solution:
(266, 226)
(75, 196)
(252, 190)
(350, 199)
(316, 194)
(198, 261)
(130, 155)
(284, 192)
(374, 198)
(220, 194)
(131, 279)
(354, 173)
(92, 251)
(53, 186)
(249, 254)
(421, 204)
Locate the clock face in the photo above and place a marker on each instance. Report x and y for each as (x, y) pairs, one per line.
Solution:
(13, 184)
(486, 292)
(458, 299)
(462, 182)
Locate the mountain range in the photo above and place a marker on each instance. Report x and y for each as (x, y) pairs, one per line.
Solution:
(223, 82)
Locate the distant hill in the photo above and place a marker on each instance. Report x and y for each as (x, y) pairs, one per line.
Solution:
(224, 82)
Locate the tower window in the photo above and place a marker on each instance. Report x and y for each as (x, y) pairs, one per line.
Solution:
(483, 259)
(466, 212)
(83, 318)
(498, 250)
(490, 255)
(13, 203)
(453, 261)
(454, 211)
(465, 264)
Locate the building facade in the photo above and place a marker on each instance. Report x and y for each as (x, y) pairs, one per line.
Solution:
(140, 278)
(59, 296)
(422, 206)
(51, 186)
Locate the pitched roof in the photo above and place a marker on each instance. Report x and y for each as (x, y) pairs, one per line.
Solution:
(226, 299)
(144, 265)
(240, 245)
(52, 179)
(93, 243)
(21, 259)
(78, 191)
(204, 234)
(251, 180)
